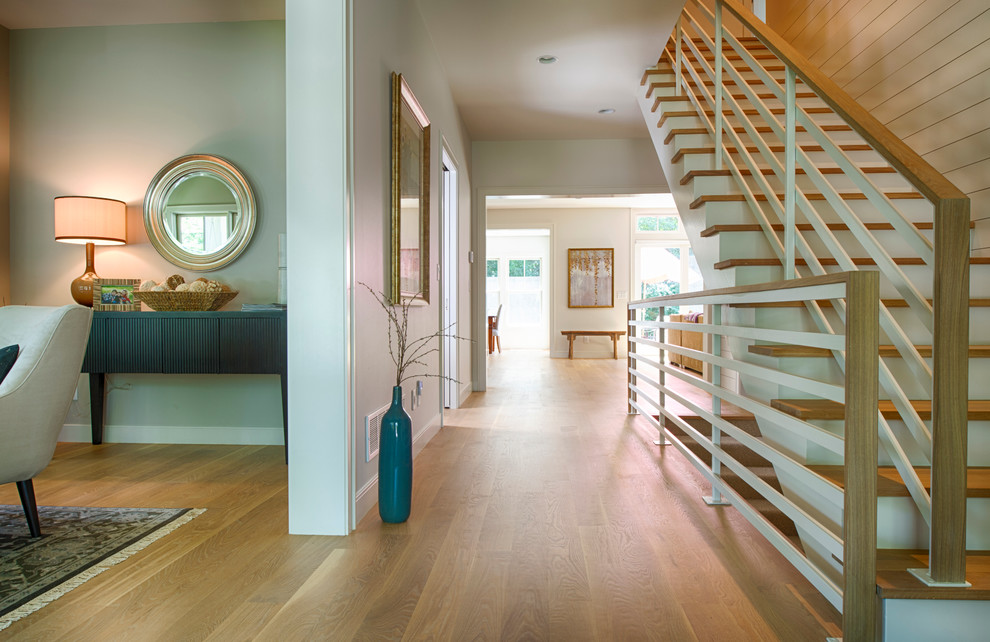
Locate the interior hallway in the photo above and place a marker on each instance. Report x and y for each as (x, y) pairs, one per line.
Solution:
(540, 512)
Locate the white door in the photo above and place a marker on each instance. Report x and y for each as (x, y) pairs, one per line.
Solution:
(518, 278)
(449, 284)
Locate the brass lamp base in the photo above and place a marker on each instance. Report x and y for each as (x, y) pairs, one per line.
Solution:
(82, 289)
(82, 286)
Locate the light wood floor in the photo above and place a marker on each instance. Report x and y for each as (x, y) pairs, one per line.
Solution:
(541, 512)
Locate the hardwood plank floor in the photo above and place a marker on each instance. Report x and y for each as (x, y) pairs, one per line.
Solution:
(540, 512)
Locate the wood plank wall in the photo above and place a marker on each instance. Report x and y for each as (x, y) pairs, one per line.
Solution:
(922, 67)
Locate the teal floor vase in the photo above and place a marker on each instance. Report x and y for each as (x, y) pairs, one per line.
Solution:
(395, 462)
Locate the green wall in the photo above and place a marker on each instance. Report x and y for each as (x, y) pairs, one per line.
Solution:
(98, 111)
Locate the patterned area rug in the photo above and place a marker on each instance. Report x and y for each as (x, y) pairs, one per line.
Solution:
(76, 545)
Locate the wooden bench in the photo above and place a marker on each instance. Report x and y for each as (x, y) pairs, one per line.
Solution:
(570, 334)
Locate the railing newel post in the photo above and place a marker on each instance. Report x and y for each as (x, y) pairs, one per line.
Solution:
(950, 357)
(859, 523)
(718, 84)
(630, 358)
(713, 314)
(790, 152)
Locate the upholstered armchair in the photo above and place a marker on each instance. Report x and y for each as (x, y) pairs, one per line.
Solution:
(35, 394)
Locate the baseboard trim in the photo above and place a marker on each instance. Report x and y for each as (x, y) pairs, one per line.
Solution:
(366, 499)
(233, 435)
(465, 392)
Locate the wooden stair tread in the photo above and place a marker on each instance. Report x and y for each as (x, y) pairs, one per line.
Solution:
(785, 350)
(890, 303)
(811, 196)
(895, 582)
(806, 227)
(769, 95)
(697, 173)
(749, 112)
(905, 260)
(889, 483)
(684, 151)
(762, 129)
(808, 409)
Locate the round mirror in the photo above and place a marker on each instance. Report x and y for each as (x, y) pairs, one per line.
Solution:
(199, 212)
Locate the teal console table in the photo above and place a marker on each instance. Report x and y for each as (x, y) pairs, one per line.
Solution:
(184, 343)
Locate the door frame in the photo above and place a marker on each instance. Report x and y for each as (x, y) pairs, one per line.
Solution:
(449, 392)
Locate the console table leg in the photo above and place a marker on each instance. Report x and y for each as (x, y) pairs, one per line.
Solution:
(285, 414)
(97, 391)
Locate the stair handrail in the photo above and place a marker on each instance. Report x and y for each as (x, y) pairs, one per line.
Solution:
(912, 481)
(856, 548)
(947, 554)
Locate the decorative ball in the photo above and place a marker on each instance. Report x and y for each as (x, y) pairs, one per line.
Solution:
(173, 282)
(225, 288)
(214, 286)
(196, 286)
(159, 288)
(147, 285)
(182, 287)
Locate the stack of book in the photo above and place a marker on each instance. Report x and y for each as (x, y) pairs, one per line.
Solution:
(259, 307)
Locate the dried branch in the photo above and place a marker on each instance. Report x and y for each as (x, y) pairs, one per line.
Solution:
(406, 353)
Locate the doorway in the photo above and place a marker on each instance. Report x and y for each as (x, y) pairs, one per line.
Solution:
(448, 206)
(517, 279)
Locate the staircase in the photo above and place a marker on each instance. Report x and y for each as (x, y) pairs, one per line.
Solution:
(803, 182)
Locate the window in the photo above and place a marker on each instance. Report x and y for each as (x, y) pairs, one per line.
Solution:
(656, 223)
(525, 292)
(492, 295)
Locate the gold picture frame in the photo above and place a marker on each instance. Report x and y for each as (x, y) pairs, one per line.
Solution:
(116, 295)
(590, 280)
(410, 221)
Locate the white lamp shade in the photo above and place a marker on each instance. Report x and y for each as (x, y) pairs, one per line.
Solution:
(89, 219)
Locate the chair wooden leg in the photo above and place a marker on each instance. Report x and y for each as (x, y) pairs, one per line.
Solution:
(26, 490)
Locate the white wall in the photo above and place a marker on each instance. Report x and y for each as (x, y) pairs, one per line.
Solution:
(579, 228)
(567, 166)
(4, 166)
(98, 111)
(555, 167)
(390, 35)
(319, 243)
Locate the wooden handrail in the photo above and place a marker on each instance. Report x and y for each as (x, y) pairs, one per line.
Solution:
(810, 281)
(950, 298)
(861, 291)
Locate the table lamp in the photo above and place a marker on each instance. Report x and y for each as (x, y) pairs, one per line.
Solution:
(91, 221)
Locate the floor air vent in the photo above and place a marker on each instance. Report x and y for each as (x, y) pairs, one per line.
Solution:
(372, 431)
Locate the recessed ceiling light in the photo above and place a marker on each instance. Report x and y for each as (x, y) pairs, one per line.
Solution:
(607, 110)
(547, 60)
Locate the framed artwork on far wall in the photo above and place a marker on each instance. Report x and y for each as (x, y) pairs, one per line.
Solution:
(116, 294)
(590, 277)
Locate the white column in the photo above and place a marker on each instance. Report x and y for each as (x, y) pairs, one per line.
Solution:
(319, 248)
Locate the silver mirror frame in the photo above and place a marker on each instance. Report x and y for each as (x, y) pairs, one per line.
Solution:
(157, 196)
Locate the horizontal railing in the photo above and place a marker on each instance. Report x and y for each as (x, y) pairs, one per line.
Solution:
(850, 539)
(946, 317)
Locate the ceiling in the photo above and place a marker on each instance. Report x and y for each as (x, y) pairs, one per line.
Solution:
(488, 48)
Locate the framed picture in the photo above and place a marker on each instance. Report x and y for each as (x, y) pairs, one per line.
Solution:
(116, 294)
(410, 225)
(589, 277)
